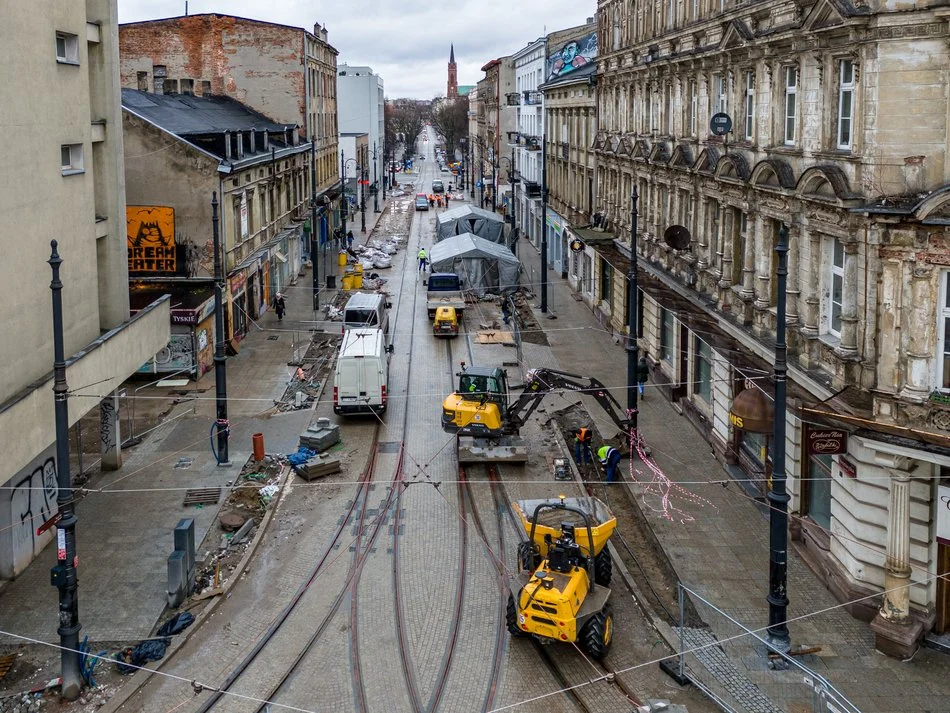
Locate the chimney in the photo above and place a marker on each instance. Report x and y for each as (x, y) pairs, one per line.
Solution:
(589, 21)
(266, 141)
(240, 144)
(323, 35)
(227, 145)
(316, 29)
(253, 141)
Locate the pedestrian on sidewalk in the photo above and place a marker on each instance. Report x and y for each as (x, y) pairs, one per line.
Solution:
(349, 239)
(423, 259)
(280, 306)
(609, 457)
(583, 437)
(643, 373)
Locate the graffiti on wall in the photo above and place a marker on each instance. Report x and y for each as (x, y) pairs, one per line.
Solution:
(572, 56)
(178, 354)
(108, 423)
(150, 231)
(198, 259)
(33, 502)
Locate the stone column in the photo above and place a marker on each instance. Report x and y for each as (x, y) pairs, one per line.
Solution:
(918, 327)
(810, 282)
(748, 260)
(848, 346)
(726, 245)
(896, 631)
(793, 291)
(110, 437)
(763, 263)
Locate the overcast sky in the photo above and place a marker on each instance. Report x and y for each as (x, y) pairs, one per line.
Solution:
(406, 43)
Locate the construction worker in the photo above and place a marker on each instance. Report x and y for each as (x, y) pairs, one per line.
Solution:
(582, 440)
(423, 259)
(610, 459)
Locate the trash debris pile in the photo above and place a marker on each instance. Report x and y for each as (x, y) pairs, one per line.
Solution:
(377, 254)
(307, 374)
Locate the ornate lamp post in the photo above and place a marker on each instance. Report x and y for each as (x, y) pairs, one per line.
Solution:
(375, 155)
(513, 180)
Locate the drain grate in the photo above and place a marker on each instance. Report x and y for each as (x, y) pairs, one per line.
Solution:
(388, 447)
(273, 338)
(202, 496)
(184, 463)
(6, 663)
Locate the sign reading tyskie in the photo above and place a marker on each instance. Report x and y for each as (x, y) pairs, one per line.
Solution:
(826, 442)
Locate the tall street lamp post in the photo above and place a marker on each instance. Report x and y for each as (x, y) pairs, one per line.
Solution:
(63, 574)
(314, 239)
(375, 179)
(344, 205)
(513, 180)
(220, 360)
(481, 174)
(778, 637)
(361, 171)
(544, 223)
(632, 312)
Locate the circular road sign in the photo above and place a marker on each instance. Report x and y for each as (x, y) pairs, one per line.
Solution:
(720, 124)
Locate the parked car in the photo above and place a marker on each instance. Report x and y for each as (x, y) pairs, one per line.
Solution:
(422, 201)
(437, 186)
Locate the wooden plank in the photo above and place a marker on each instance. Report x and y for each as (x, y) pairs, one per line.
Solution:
(6, 663)
(495, 337)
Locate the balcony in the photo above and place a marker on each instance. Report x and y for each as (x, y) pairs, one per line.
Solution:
(532, 143)
(532, 97)
(514, 99)
(513, 138)
(565, 150)
(532, 189)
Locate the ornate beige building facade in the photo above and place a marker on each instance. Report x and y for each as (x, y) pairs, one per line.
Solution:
(839, 133)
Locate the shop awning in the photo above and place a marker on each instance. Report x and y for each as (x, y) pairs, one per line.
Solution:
(280, 256)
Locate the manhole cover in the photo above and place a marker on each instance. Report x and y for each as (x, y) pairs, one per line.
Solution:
(184, 463)
(202, 496)
(273, 338)
(388, 447)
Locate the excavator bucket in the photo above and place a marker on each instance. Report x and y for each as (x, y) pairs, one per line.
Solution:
(508, 449)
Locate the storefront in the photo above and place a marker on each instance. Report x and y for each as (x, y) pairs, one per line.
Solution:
(557, 236)
(237, 324)
(190, 350)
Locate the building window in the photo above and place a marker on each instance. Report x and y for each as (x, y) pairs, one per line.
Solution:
(188, 86)
(845, 103)
(818, 491)
(720, 98)
(749, 105)
(836, 283)
(170, 86)
(205, 88)
(943, 357)
(791, 104)
(141, 81)
(702, 369)
(666, 336)
(616, 28)
(668, 109)
(71, 158)
(606, 288)
(712, 232)
(67, 48)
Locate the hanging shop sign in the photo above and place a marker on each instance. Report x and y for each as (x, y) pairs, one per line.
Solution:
(943, 514)
(826, 442)
(752, 411)
(847, 467)
(577, 245)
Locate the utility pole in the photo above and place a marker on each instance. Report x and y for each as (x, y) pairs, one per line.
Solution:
(778, 498)
(314, 240)
(63, 575)
(375, 180)
(343, 201)
(494, 178)
(514, 213)
(361, 170)
(222, 425)
(632, 334)
(544, 223)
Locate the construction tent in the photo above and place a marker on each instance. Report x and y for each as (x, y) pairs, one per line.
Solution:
(469, 219)
(484, 266)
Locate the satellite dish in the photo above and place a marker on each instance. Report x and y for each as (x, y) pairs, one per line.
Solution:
(677, 237)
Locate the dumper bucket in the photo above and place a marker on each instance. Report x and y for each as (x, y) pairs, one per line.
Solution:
(509, 449)
(548, 529)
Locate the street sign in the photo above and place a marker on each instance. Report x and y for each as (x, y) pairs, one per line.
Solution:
(720, 124)
(49, 523)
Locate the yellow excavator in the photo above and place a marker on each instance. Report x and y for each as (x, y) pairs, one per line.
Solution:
(561, 591)
(487, 422)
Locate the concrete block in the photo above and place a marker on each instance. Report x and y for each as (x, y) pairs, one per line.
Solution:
(320, 436)
(178, 581)
(317, 468)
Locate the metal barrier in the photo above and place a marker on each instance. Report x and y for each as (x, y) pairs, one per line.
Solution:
(726, 660)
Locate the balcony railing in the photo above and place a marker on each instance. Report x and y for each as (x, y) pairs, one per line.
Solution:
(532, 189)
(532, 97)
(532, 143)
(514, 99)
(565, 150)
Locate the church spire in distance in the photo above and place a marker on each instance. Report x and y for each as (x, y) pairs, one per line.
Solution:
(452, 90)
(452, 54)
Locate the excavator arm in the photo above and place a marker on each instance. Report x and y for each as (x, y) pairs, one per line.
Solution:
(541, 382)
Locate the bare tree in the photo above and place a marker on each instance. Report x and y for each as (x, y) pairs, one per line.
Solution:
(404, 119)
(450, 120)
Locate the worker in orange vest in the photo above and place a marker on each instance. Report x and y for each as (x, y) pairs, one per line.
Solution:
(583, 437)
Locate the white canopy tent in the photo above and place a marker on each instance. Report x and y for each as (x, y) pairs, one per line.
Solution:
(469, 219)
(484, 266)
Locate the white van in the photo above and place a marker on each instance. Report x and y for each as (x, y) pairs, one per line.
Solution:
(366, 310)
(361, 379)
